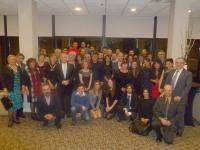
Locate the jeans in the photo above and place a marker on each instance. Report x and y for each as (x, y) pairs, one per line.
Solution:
(84, 113)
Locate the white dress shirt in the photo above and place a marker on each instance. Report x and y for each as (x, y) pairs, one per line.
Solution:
(179, 73)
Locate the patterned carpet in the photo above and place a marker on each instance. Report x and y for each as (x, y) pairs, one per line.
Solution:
(97, 135)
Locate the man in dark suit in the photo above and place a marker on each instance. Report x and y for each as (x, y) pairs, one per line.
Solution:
(181, 81)
(48, 107)
(166, 114)
(65, 73)
(126, 109)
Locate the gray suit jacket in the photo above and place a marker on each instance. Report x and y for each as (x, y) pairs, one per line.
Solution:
(183, 84)
(174, 110)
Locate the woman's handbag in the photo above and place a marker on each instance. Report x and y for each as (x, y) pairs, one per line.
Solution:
(7, 103)
(140, 127)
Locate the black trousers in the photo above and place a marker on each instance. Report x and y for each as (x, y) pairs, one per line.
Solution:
(165, 132)
(65, 93)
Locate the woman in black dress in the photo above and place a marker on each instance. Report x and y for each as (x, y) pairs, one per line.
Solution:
(136, 77)
(50, 73)
(107, 68)
(110, 101)
(122, 78)
(145, 107)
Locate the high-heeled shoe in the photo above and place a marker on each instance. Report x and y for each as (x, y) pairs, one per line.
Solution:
(10, 124)
(16, 121)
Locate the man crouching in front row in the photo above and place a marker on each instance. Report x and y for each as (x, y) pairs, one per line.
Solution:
(48, 107)
(80, 103)
(167, 112)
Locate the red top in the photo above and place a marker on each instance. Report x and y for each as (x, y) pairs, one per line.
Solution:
(75, 50)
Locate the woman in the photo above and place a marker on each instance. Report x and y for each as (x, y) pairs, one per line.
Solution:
(147, 71)
(42, 64)
(168, 67)
(107, 68)
(13, 85)
(35, 81)
(122, 78)
(145, 111)
(110, 104)
(85, 75)
(128, 104)
(136, 77)
(96, 100)
(50, 73)
(155, 77)
(130, 60)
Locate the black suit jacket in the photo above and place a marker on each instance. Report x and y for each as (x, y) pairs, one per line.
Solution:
(60, 74)
(133, 104)
(43, 108)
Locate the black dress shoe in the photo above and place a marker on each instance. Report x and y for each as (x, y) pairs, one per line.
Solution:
(58, 125)
(159, 139)
(179, 134)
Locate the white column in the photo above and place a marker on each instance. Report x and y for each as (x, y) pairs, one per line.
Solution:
(178, 25)
(28, 39)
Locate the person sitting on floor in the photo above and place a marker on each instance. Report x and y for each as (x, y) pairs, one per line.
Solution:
(128, 104)
(167, 112)
(80, 102)
(48, 107)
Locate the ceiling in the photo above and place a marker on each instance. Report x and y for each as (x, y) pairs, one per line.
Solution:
(144, 8)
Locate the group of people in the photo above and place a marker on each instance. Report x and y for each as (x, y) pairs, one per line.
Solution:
(83, 82)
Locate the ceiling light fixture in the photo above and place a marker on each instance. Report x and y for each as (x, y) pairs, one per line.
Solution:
(77, 9)
(189, 11)
(133, 9)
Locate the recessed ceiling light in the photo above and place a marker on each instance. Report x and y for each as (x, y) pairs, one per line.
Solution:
(189, 11)
(133, 9)
(77, 8)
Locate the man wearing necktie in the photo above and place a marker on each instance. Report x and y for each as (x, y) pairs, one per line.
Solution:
(127, 107)
(166, 115)
(181, 81)
(64, 72)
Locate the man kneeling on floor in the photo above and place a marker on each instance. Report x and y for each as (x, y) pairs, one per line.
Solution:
(80, 103)
(167, 113)
(48, 107)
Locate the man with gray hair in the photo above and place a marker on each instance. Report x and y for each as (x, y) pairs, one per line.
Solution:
(181, 81)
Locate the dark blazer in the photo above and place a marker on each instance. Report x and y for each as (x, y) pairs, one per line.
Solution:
(8, 78)
(134, 101)
(43, 108)
(60, 74)
(183, 84)
(174, 110)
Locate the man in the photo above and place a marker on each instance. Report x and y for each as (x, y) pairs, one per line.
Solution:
(166, 115)
(74, 48)
(181, 81)
(116, 65)
(80, 103)
(48, 107)
(64, 72)
(97, 67)
(161, 55)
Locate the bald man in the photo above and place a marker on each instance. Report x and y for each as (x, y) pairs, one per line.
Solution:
(64, 72)
(166, 115)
